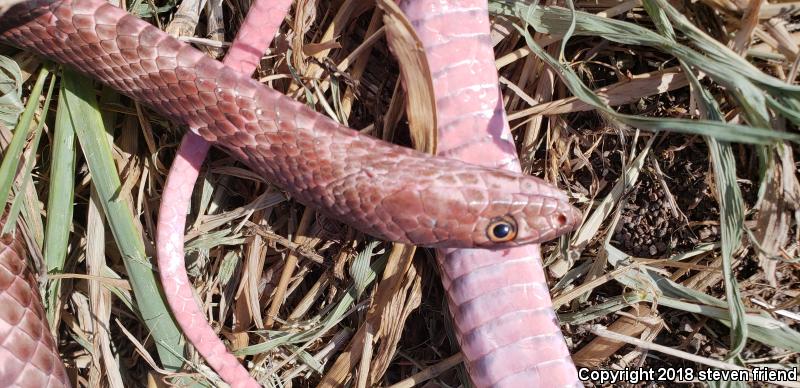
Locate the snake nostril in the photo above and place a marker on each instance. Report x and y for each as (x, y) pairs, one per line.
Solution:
(560, 219)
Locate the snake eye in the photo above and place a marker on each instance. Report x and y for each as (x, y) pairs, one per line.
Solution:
(502, 229)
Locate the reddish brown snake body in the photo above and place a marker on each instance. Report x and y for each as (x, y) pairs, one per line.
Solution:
(28, 354)
(385, 190)
(388, 191)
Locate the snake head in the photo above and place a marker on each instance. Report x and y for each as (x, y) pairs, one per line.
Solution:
(475, 207)
(513, 210)
(523, 210)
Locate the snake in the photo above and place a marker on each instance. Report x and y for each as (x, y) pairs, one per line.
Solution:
(384, 190)
(28, 353)
(498, 299)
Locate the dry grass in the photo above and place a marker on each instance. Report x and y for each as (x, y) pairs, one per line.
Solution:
(690, 239)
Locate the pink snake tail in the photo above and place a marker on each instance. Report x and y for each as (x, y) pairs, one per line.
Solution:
(499, 300)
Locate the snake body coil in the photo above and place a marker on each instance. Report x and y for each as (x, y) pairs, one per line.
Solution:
(382, 189)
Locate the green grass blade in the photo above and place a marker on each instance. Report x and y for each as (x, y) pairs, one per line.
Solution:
(88, 125)
(607, 308)
(13, 154)
(25, 194)
(59, 201)
(761, 328)
(731, 210)
(10, 91)
(360, 270)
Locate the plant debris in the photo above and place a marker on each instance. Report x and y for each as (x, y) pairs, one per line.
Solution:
(672, 125)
